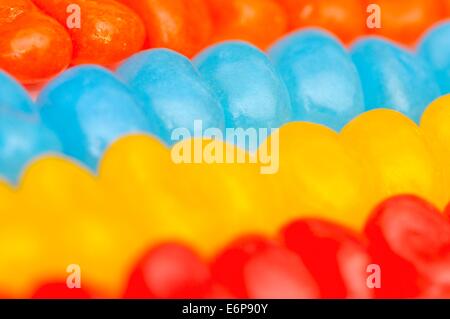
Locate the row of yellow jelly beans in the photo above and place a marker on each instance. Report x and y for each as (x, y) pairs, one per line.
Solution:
(61, 214)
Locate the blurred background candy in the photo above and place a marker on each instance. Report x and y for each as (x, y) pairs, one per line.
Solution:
(144, 216)
(88, 108)
(320, 77)
(337, 257)
(393, 78)
(410, 240)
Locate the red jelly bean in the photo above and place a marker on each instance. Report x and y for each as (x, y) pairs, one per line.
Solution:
(59, 290)
(278, 273)
(33, 46)
(181, 25)
(260, 22)
(335, 256)
(345, 18)
(170, 271)
(410, 241)
(108, 31)
(228, 267)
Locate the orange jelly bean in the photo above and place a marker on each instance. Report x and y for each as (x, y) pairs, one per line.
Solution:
(406, 20)
(181, 25)
(345, 18)
(33, 46)
(107, 32)
(260, 22)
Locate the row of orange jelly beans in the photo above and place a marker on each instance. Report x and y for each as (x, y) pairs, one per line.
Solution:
(40, 38)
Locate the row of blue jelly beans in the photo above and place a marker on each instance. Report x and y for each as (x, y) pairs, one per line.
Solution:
(307, 76)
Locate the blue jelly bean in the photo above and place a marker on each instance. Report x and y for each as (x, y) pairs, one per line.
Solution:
(13, 97)
(249, 88)
(393, 77)
(89, 108)
(435, 49)
(321, 79)
(22, 135)
(172, 93)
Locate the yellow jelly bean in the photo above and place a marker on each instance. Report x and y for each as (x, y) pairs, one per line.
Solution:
(395, 155)
(435, 126)
(320, 177)
(203, 204)
(228, 190)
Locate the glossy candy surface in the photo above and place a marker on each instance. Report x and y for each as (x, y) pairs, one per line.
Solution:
(33, 46)
(435, 48)
(249, 88)
(107, 32)
(171, 92)
(393, 78)
(89, 109)
(320, 77)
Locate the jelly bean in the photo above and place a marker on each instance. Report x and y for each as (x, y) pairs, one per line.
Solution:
(336, 257)
(393, 78)
(397, 161)
(52, 184)
(435, 128)
(33, 47)
(277, 273)
(435, 48)
(320, 77)
(140, 172)
(250, 90)
(172, 92)
(410, 241)
(405, 20)
(259, 22)
(108, 31)
(13, 97)
(169, 271)
(320, 177)
(227, 267)
(345, 18)
(60, 290)
(10, 10)
(89, 109)
(23, 248)
(21, 141)
(22, 135)
(181, 25)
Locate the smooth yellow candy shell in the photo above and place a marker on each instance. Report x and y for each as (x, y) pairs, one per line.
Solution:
(395, 155)
(435, 126)
(320, 177)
